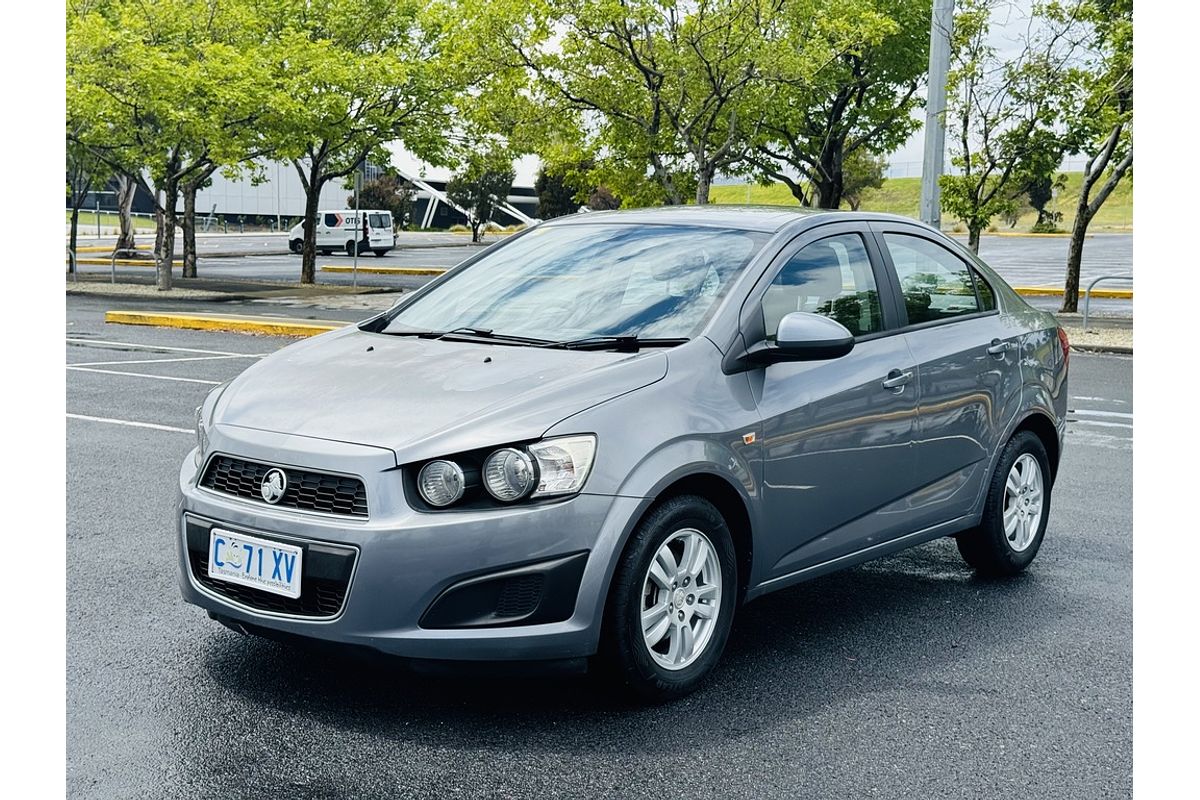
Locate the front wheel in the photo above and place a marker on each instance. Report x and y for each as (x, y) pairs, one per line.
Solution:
(672, 601)
(1015, 512)
(296, 245)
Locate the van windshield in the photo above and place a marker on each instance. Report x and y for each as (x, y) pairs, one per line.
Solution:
(585, 280)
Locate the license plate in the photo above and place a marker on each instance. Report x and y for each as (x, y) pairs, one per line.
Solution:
(260, 564)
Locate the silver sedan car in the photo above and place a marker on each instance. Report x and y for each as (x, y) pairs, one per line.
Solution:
(591, 443)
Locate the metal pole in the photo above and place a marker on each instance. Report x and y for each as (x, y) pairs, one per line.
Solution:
(1087, 298)
(278, 201)
(97, 216)
(942, 25)
(358, 224)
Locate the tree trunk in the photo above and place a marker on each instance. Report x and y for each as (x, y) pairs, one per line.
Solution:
(308, 260)
(189, 229)
(973, 238)
(126, 189)
(71, 265)
(704, 179)
(830, 179)
(1070, 302)
(165, 252)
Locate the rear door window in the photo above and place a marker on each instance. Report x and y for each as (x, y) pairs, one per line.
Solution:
(935, 283)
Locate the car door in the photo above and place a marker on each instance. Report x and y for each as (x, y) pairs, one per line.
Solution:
(968, 363)
(837, 435)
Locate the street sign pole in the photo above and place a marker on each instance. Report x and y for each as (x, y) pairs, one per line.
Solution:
(935, 112)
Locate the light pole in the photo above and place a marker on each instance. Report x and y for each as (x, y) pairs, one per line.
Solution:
(941, 27)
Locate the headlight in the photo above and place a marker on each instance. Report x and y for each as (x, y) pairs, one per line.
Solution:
(201, 437)
(563, 464)
(441, 483)
(509, 475)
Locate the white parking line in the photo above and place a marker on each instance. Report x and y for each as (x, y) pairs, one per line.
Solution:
(151, 361)
(144, 375)
(1101, 400)
(1088, 412)
(129, 423)
(164, 347)
(1100, 424)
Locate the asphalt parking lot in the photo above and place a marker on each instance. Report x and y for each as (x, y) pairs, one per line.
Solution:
(907, 677)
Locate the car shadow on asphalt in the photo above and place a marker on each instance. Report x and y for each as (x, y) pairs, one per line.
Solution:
(875, 628)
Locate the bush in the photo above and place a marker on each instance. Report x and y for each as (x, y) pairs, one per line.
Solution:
(459, 228)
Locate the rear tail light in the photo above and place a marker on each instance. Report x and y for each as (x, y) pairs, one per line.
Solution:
(1066, 347)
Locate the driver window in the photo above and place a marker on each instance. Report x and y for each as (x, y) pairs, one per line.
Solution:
(831, 277)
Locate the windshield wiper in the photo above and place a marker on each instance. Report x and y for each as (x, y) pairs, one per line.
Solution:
(625, 344)
(477, 333)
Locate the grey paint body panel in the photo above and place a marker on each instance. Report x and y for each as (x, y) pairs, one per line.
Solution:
(831, 467)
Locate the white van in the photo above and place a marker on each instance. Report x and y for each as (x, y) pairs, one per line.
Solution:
(339, 230)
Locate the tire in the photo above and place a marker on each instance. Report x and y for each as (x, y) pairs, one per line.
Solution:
(350, 249)
(679, 523)
(380, 253)
(296, 245)
(988, 548)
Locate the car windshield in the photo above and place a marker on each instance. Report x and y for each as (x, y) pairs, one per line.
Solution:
(576, 281)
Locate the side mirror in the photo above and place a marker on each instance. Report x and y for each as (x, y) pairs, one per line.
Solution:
(804, 337)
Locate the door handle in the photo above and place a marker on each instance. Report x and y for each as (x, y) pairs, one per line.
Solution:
(999, 348)
(897, 380)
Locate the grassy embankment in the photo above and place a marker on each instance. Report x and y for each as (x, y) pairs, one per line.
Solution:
(902, 196)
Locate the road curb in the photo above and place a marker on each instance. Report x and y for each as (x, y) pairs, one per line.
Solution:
(271, 326)
(1055, 291)
(389, 270)
(124, 262)
(1100, 348)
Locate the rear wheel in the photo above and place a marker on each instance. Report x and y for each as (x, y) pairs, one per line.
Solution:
(380, 253)
(672, 600)
(296, 245)
(1015, 513)
(350, 248)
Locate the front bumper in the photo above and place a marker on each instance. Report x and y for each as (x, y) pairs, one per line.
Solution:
(405, 560)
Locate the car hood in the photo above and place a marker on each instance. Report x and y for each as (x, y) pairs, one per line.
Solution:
(423, 398)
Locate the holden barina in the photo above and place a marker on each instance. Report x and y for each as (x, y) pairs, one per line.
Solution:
(590, 444)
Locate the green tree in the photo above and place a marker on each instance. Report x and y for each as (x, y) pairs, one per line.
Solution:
(85, 172)
(349, 77)
(1102, 125)
(861, 171)
(1003, 114)
(558, 188)
(657, 83)
(857, 105)
(389, 193)
(483, 183)
(162, 93)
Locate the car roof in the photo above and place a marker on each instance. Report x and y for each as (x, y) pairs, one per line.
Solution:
(743, 217)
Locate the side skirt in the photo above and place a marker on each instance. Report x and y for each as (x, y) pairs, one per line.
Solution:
(871, 553)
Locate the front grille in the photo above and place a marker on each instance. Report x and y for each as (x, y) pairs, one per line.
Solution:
(307, 491)
(324, 579)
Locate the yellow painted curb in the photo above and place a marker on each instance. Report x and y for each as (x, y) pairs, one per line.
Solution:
(1056, 291)
(389, 270)
(273, 326)
(101, 248)
(123, 262)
